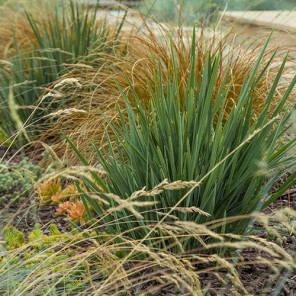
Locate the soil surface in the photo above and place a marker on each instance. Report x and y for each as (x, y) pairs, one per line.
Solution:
(25, 215)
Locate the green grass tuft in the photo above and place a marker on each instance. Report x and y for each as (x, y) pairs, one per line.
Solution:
(233, 162)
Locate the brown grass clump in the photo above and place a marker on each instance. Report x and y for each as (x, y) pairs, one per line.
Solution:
(14, 23)
(148, 51)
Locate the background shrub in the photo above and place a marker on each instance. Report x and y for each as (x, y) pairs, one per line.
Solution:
(190, 11)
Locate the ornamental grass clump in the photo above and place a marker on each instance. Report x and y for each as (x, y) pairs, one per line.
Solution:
(226, 167)
(41, 47)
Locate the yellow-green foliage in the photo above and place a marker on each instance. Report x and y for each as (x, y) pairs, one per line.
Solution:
(56, 251)
(54, 230)
(48, 189)
(38, 238)
(37, 241)
(14, 238)
(4, 139)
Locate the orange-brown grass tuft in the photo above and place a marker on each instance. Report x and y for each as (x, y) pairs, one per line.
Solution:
(14, 25)
(148, 51)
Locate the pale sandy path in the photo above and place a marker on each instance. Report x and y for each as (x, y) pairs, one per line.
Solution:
(282, 20)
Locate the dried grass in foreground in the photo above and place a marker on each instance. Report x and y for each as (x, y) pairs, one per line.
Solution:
(82, 263)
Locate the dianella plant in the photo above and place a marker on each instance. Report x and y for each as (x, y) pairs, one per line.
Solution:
(231, 160)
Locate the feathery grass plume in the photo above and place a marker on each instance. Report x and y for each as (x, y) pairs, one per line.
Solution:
(83, 263)
(191, 139)
(41, 47)
(149, 53)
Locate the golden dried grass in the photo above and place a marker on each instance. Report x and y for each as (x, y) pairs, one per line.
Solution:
(149, 269)
(14, 23)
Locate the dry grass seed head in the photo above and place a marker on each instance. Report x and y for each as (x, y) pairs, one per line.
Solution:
(182, 265)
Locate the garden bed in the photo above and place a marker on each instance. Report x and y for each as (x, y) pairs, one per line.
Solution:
(168, 161)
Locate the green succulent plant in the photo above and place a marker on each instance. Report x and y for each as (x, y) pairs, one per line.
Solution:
(16, 180)
(279, 233)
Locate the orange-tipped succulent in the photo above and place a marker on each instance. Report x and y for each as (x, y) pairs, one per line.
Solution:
(75, 210)
(63, 207)
(68, 199)
(48, 189)
(70, 191)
